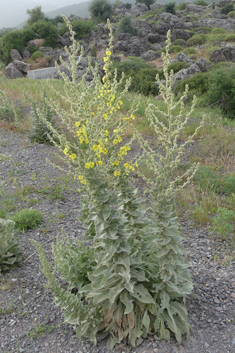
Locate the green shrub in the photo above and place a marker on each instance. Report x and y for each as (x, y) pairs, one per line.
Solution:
(226, 9)
(178, 66)
(6, 108)
(182, 6)
(142, 76)
(223, 223)
(36, 55)
(196, 39)
(231, 14)
(100, 10)
(146, 2)
(170, 8)
(189, 51)
(27, 219)
(42, 115)
(9, 249)
(179, 42)
(47, 31)
(173, 49)
(56, 19)
(218, 30)
(81, 27)
(201, 3)
(205, 30)
(230, 37)
(221, 90)
(33, 48)
(14, 40)
(198, 84)
(125, 26)
(127, 5)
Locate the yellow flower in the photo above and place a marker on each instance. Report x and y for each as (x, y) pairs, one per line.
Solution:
(119, 139)
(86, 140)
(115, 141)
(66, 151)
(81, 139)
(95, 148)
(117, 173)
(77, 123)
(87, 165)
(115, 163)
(106, 133)
(108, 52)
(100, 162)
(105, 116)
(105, 59)
(120, 102)
(132, 117)
(126, 165)
(132, 168)
(92, 164)
(105, 151)
(83, 181)
(80, 177)
(105, 68)
(136, 164)
(98, 155)
(72, 157)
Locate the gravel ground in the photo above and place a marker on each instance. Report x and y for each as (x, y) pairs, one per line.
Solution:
(30, 322)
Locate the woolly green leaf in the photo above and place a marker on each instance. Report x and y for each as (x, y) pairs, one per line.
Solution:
(125, 274)
(146, 320)
(165, 299)
(129, 287)
(142, 294)
(111, 232)
(99, 271)
(127, 300)
(125, 261)
(114, 292)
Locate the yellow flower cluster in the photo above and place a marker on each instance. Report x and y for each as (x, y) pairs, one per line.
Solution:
(127, 165)
(80, 177)
(117, 173)
(115, 163)
(89, 165)
(81, 133)
(126, 118)
(123, 151)
(66, 150)
(72, 157)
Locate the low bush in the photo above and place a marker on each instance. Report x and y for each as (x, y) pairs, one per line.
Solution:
(47, 31)
(125, 26)
(141, 74)
(198, 84)
(14, 40)
(182, 6)
(226, 9)
(189, 51)
(178, 66)
(200, 3)
(223, 223)
(170, 7)
(221, 90)
(81, 27)
(33, 48)
(27, 219)
(36, 55)
(196, 39)
(9, 249)
(231, 14)
(218, 30)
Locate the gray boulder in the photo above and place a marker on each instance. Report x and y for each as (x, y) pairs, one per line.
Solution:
(179, 34)
(13, 72)
(185, 73)
(137, 46)
(203, 65)
(194, 8)
(150, 55)
(228, 24)
(138, 9)
(223, 54)
(222, 3)
(26, 53)
(22, 66)
(65, 39)
(48, 52)
(162, 28)
(155, 46)
(154, 38)
(121, 46)
(15, 55)
(181, 57)
(124, 36)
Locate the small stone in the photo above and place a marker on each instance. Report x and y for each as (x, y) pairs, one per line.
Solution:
(206, 344)
(156, 350)
(233, 341)
(232, 295)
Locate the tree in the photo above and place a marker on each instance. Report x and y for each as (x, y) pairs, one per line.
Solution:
(100, 10)
(35, 15)
(146, 2)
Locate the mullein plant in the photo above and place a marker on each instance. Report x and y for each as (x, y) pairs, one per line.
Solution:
(117, 288)
(174, 282)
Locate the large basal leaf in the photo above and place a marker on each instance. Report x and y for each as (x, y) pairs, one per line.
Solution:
(146, 321)
(142, 294)
(127, 300)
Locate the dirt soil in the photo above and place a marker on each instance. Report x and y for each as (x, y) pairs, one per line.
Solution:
(29, 320)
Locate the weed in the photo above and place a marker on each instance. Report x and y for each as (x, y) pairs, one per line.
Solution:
(223, 222)
(27, 219)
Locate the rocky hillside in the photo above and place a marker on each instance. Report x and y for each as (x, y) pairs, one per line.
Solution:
(201, 36)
